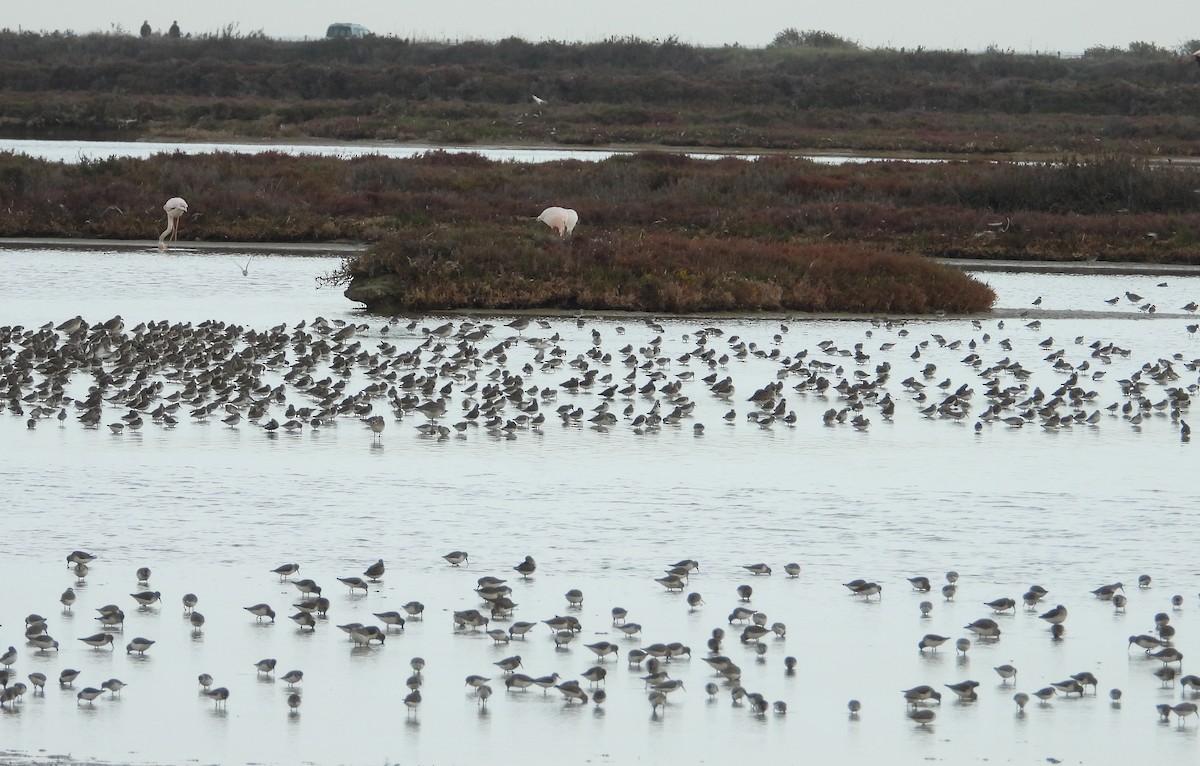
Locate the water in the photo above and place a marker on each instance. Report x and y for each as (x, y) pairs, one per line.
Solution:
(78, 151)
(212, 509)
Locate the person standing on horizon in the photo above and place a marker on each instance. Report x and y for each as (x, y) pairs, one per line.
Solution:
(174, 31)
(146, 28)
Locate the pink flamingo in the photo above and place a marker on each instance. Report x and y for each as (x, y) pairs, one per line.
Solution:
(561, 219)
(175, 209)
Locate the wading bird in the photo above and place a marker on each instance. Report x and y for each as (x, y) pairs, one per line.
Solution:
(175, 209)
(561, 219)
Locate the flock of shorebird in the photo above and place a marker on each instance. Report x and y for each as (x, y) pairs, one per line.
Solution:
(456, 378)
(494, 616)
(1158, 647)
(460, 377)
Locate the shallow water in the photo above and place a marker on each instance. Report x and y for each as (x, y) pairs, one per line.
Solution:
(79, 151)
(211, 509)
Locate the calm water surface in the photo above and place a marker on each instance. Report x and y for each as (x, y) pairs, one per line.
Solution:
(211, 509)
(79, 151)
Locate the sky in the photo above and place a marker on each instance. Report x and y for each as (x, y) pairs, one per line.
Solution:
(1066, 26)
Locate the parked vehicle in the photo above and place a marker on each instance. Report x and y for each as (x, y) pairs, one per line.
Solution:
(337, 31)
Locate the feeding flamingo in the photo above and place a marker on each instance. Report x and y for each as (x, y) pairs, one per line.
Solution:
(175, 209)
(561, 219)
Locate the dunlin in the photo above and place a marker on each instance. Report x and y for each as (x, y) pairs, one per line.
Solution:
(965, 690)
(1183, 710)
(921, 693)
(931, 641)
(88, 694)
(98, 640)
(869, 589)
(355, 583)
(456, 558)
(603, 648)
(1055, 616)
(920, 583)
(260, 611)
(984, 627)
(413, 701)
(113, 686)
(305, 620)
(320, 605)
(1068, 687)
(139, 645)
(1145, 642)
(509, 664)
(391, 618)
(286, 570)
(307, 586)
(1168, 655)
(375, 571)
(526, 567)
(79, 557)
(1001, 604)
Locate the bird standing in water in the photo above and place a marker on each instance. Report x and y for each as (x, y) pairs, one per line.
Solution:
(526, 567)
(175, 208)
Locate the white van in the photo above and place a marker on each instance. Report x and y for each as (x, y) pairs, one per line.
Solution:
(337, 31)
